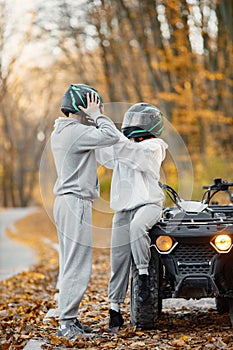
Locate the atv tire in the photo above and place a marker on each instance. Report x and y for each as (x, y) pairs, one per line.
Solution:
(230, 306)
(222, 305)
(145, 315)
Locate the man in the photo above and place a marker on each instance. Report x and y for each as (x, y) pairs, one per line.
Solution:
(74, 141)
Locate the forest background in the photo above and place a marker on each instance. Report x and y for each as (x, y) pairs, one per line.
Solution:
(176, 54)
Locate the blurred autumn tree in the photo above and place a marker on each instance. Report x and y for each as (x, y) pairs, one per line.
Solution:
(24, 117)
(176, 54)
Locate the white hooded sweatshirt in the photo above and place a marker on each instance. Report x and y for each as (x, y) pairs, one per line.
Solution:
(136, 172)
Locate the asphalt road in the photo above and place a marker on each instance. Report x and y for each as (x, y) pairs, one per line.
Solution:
(14, 257)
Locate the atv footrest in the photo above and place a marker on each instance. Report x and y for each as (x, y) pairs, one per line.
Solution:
(196, 286)
(202, 282)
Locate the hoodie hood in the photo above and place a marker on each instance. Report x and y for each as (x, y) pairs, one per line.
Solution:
(164, 146)
(62, 122)
(157, 141)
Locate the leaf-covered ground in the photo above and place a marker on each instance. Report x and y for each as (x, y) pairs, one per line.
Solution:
(27, 297)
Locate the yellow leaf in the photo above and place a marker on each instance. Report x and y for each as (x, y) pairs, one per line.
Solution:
(55, 340)
(184, 337)
(137, 343)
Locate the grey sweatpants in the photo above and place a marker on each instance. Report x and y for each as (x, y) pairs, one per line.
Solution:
(130, 236)
(73, 219)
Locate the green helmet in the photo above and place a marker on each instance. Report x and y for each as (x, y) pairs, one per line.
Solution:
(142, 120)
(76, 95)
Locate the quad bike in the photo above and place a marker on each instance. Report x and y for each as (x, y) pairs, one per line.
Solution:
(191, 255)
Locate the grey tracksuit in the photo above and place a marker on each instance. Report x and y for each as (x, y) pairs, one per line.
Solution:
(73, 146)
(137, 201)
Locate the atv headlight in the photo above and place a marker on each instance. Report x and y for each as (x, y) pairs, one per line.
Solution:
(222, 243)
(164, 244)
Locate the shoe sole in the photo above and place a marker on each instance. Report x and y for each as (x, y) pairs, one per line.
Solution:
(114, 329)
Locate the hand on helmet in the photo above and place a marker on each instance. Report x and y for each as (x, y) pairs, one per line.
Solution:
(93, 105)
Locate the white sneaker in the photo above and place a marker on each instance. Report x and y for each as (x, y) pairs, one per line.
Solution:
(70, 330)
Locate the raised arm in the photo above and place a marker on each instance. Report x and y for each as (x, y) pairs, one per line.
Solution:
(140, 156)
(104, 134)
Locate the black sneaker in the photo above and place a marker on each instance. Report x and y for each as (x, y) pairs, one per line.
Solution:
(70, 330)
(116, 320)
(85, 328)
(144, 288)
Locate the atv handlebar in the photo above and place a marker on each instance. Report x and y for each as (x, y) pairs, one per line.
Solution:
(171, 193)
(219, 184)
